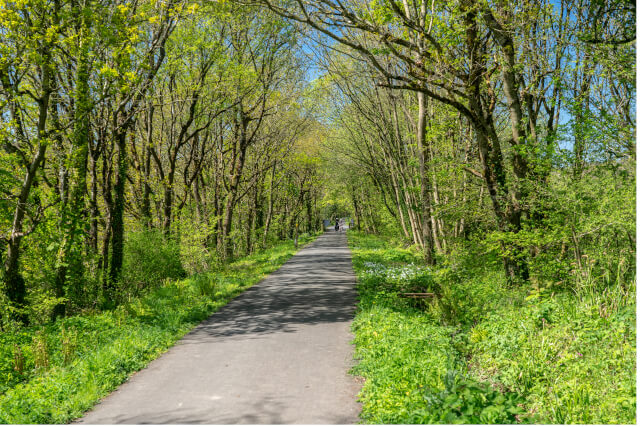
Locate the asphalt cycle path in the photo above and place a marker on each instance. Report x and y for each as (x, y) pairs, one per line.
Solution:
(277, 354)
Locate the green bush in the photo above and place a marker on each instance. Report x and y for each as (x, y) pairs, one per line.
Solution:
(466, 401)
(149, 259)
(195, 252)
(464, 301)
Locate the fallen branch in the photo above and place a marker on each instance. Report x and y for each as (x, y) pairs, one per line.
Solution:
(416, 294)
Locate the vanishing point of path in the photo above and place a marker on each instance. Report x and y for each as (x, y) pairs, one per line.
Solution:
(277, 354)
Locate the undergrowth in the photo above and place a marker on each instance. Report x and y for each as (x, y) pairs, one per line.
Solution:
(413, 370)
(480, 351)
(52, 374)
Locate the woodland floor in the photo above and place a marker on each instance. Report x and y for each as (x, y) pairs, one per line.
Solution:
(277, 354)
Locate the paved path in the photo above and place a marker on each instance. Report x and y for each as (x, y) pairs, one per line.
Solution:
(277, 354)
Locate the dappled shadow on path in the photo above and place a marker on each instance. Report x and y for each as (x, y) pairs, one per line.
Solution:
(262, 412)
(265, 411)
(315, 286)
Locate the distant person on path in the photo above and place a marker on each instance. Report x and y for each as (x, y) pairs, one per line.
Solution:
(337, 227)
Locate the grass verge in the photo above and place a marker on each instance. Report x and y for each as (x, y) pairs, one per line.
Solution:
(55, 373)
(413, 372)
(483, 352)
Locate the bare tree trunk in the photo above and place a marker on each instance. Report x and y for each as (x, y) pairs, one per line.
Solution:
(146, 191)
(396, 194)
(117, 222)
(168, 199)
(251, 220)
(309, 213)
(236, 173)
(267, 223)
(425, 190)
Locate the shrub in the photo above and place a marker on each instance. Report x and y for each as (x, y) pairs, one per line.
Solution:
(149, 259)
(466, 401)
(464, 301)
(195, 254)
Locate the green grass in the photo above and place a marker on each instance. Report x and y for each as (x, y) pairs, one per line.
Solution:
(67, 366)
(484, 352)
(413, 371)
(574, 363)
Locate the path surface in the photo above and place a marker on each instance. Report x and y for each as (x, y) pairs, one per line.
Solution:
(277, 354)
